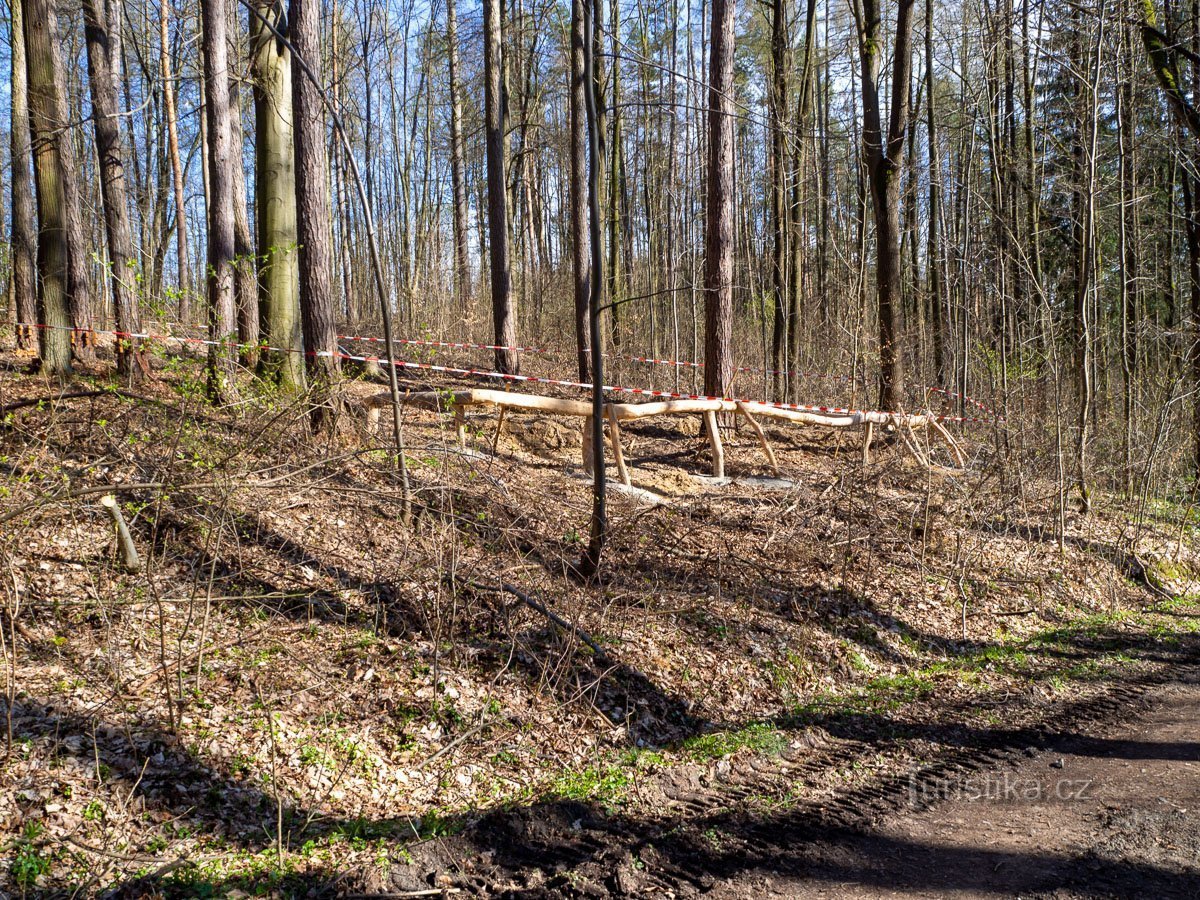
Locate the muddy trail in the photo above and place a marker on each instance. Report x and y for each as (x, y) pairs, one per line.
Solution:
(1092, 798)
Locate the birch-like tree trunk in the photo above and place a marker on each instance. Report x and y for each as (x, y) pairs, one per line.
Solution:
(222, 322)
(275, 193)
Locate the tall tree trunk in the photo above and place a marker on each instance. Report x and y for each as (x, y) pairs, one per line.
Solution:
(275, 191)
(79, 275)
(580, 236)
(222, 323)
(780, 202)
(48, 136)
(718, 221)
(246, 271)
(885, 159)
(24, 225)
(462, 260)
(102, 29)
(181, 245)
(933, 262)
(312, 200)
(496, 114)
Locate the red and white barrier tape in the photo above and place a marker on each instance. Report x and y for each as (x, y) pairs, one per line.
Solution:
(484, 373)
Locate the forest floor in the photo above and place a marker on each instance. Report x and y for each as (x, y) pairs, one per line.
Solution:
(809, 682)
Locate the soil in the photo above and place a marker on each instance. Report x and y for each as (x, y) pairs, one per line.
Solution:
(1103, 802)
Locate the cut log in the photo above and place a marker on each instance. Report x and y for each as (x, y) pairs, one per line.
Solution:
(130, 561)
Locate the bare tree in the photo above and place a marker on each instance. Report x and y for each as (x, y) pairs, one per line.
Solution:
(275, 192)
(222, 325)
(580, 238)
(181, 241)
(496, 113)
(24, 225)
(312, 202)
(103, 33)
(718, 232)
(48, 135)
(885, 160)
(462, 261)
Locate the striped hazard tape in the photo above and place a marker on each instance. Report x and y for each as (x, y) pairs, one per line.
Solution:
(501, 376)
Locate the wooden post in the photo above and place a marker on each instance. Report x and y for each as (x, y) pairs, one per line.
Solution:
(714, 439)
(460, 426)
(762, 436)
(868, 436)
(588, 463)
(614, 435)
(499, 428)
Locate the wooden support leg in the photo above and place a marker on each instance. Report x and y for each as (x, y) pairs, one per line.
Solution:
(714, 439)
(762, 437)
(868, 436)
(956, 451)
(587, 446)
(614, 436)
(460, 427)
(499, 428)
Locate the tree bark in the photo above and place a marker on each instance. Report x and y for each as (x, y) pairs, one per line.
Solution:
(48, 138)
(246, 270)
(24, 225)
(718, 233)
(885, 159)
(222, 325)
(103, 33)
(496, 114)
(312, 201)
(580, 237)
(79, 281)
(462, 270)
(181, 244)
(275, 191)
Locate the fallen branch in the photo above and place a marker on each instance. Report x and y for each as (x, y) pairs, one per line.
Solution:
(506, 588)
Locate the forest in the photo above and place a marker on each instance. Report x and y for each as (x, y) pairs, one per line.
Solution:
(578, 448)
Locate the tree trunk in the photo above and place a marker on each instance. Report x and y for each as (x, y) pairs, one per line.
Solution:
(222, 358)
(312, 200)
(496, 114)
(885, 158)
(718, 232)
(780, 201)
(24, 225)
(462, 270)
(275, 191)
(79, 280)
(103, 32)
(48, 137)
(181, 246)
(580, 237)
(246, 273)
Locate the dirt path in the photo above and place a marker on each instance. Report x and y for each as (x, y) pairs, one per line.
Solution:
(1103, 800)
(1109, 813)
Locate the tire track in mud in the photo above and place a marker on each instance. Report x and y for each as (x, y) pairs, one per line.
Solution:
(703, 834)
